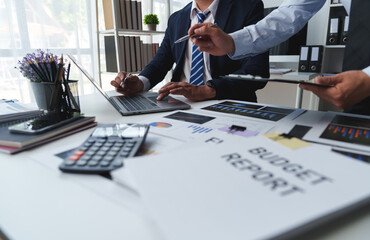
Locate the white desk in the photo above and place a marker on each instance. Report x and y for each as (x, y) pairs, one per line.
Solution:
(40, 202)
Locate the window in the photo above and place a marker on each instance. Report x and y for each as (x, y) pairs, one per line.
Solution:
(60, 26)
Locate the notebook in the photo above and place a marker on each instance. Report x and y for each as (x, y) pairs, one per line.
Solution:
(137, 104)
(15, 142)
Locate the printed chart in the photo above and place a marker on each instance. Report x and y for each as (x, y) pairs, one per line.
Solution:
(348, 129)
(250, 110)
(360, 157)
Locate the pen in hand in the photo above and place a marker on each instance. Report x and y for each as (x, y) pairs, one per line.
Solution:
(124, 80)
(184, 38)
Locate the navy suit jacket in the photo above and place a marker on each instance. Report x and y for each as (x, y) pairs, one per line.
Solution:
(231, 16)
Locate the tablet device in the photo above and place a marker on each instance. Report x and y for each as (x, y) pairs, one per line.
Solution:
(260, 79)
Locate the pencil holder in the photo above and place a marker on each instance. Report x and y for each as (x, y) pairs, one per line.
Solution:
(73, 88)
(43, 93)
(68, 99)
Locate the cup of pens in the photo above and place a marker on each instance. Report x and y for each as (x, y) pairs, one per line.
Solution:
(50, 83)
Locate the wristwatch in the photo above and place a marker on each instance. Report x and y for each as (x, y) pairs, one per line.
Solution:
(211, 84)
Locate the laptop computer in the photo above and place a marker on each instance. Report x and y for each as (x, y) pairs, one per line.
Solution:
(136, 104)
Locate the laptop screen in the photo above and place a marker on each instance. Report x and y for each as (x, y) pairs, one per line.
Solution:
(88, 76)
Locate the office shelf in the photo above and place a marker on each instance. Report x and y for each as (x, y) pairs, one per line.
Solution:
(124, 32)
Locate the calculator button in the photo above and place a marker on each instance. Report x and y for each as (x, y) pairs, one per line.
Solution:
(90, 141)
(85, 158)
(127, 149)
(112, 153)
(124, 154)
(93, 163)
(81, 163)
(104, 148)
(101, 153)
(83, 148)
(74, 157)
(117, 163)
(89, 153)
(108, 158)
(87, 144)
(111, 141)
(93, 148)
(104, 164)
(69, 163)
(115, 149)
(96, 158)
(79, 152)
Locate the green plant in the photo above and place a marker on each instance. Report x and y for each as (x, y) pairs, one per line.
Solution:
(151, 18)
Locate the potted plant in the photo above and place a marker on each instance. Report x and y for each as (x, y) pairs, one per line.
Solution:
(151, 20)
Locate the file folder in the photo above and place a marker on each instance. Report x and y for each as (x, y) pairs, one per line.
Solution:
(333, 30)
(316, 59)
(344, 33)
(304, 59)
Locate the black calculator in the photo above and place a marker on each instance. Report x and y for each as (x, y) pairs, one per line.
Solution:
(106, 148)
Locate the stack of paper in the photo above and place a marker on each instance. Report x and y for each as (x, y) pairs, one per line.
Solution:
(13, 110)
(280, 71)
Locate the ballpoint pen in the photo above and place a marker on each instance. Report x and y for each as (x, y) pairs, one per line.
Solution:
(124, 80)
(184, 38)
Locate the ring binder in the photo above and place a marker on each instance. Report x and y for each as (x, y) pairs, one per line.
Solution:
(304, 59)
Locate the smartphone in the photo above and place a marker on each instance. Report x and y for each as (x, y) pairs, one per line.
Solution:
(44, 123)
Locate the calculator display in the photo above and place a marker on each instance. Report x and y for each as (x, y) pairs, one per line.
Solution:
(121, 130)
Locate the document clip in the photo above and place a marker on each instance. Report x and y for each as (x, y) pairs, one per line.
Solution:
(234, 128)
(287, 140)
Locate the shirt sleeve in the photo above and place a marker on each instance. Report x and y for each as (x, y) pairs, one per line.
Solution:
(367, 70)
(278, 26)
(145, 81)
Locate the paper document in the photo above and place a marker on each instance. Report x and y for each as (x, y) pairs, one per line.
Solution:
(196, 125)
(249, 189)
(344, 130)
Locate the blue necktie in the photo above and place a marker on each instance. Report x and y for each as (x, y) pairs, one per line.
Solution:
(196, 73)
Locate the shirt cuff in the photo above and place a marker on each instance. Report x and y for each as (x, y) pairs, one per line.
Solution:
(367, 71)
(242, 41)
(145, 81)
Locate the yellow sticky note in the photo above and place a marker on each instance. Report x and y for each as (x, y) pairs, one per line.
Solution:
(291, 143)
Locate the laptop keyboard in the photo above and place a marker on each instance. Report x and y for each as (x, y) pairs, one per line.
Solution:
(138, 102)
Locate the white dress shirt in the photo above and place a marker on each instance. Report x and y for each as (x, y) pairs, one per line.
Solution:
(211, 11)
(185, 76)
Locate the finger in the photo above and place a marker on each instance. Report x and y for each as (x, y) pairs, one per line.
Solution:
(195, 26)
(162, 95)
(202, 42)
(204, 29)
(114, 83)
(168, 87)
(118, 79)
(332, 80)
(207, 48)
(179, 91)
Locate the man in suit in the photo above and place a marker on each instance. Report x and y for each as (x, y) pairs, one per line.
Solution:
(230, 15)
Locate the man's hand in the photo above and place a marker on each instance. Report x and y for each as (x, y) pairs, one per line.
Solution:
(190, 91)
(349, 88)
(213, 40)
(132, 85)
